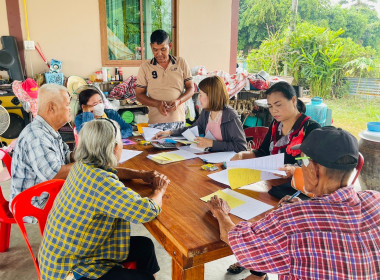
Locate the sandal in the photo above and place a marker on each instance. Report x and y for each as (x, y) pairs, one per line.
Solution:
(235, 268)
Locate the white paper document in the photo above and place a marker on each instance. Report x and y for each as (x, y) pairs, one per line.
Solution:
(251, 208)
(191, 149)
(222, 177)
(191, 133)
(209, 135)
(149, 132)
(268, 163)
(217, 157)
(128, 154)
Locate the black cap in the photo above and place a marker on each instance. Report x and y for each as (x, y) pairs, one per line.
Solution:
(328, 144)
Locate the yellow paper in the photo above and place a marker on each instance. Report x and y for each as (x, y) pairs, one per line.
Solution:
(239, 177)
(233, 202)
(167, 157)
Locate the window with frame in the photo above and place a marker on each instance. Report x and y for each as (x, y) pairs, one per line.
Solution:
(126, 26)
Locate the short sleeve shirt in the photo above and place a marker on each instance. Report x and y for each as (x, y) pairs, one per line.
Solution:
(166, 85)
(88, 229)
(39, 155)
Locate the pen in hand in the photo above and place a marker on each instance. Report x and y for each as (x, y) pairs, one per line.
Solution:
(290, 199)
(293, 196)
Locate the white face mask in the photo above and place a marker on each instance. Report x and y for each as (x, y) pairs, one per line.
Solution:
(99, 110)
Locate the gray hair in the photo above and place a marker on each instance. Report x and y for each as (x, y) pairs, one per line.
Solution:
(49, 92)
(97, 141)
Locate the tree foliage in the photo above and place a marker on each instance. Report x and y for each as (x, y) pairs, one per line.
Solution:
(330, 42)
(316, 57)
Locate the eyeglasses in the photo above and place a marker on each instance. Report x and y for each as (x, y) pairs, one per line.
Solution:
(303, 161)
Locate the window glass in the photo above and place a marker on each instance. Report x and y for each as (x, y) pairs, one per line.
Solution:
(157, 15)
(124, 26)
(123, 29)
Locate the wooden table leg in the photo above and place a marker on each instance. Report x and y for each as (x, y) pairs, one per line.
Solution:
(195, 272)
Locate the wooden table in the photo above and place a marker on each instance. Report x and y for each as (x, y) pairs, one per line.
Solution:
(185, 228)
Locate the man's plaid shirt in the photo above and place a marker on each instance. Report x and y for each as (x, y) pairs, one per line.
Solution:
(330, 237)
(88, 229)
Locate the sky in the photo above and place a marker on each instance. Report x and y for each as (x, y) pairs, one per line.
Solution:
(377, 5)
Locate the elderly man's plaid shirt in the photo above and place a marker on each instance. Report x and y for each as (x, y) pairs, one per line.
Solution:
(331, 237)
(38, 156)
(88, 229)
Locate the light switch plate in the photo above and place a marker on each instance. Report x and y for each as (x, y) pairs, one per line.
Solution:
(29, 45)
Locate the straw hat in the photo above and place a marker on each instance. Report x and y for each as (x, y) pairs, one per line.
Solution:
(74, 83)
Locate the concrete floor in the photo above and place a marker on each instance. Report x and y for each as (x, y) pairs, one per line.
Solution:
(17, 263)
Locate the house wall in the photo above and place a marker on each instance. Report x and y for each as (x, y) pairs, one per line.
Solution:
(69, 31)
(4, 31)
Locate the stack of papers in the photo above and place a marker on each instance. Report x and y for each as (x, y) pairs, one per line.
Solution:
(174, 156)
(241, 205)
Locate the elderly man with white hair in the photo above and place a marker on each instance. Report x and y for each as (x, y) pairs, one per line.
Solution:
(41, 155)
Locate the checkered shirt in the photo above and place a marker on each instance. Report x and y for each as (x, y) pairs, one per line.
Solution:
(38, 156)
(330, 237)
(88, 228)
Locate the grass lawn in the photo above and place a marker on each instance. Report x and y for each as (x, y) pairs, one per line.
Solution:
(352, 113)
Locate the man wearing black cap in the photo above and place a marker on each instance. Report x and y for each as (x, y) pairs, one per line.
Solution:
(335, 235)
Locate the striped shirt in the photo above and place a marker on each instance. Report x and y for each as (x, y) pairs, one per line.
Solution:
(88, 228)
(39, 155)
(331, 237)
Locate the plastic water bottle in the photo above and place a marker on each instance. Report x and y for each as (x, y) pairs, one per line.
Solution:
(317, 110)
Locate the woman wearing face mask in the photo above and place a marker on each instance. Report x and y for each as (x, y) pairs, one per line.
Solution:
(92, 107)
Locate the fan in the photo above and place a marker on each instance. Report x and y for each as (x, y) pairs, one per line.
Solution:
(4, 120)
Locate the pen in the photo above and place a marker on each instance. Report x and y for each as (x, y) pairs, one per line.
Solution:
(293, 196)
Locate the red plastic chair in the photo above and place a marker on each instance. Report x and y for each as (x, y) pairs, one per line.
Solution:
(76, 136)
(6, 217)
(258, 133)
(358, 167)
(22, 207)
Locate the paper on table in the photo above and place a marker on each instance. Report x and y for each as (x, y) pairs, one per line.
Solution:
(250, 209)
(168, 157)
(149, 132)
(232, 201)
(222, 177)
(268, 163)
(217, 157)
(239, 177)
(128, 154)
(191, 149)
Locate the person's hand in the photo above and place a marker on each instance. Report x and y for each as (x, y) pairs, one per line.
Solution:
(162, 134)
(171, 106)
(286, 198)
(160, 183)
(162, 108)
(218, 206)
(243, 155)
(289, 170)
(88, 108)
(203, 142)
(150, 176)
